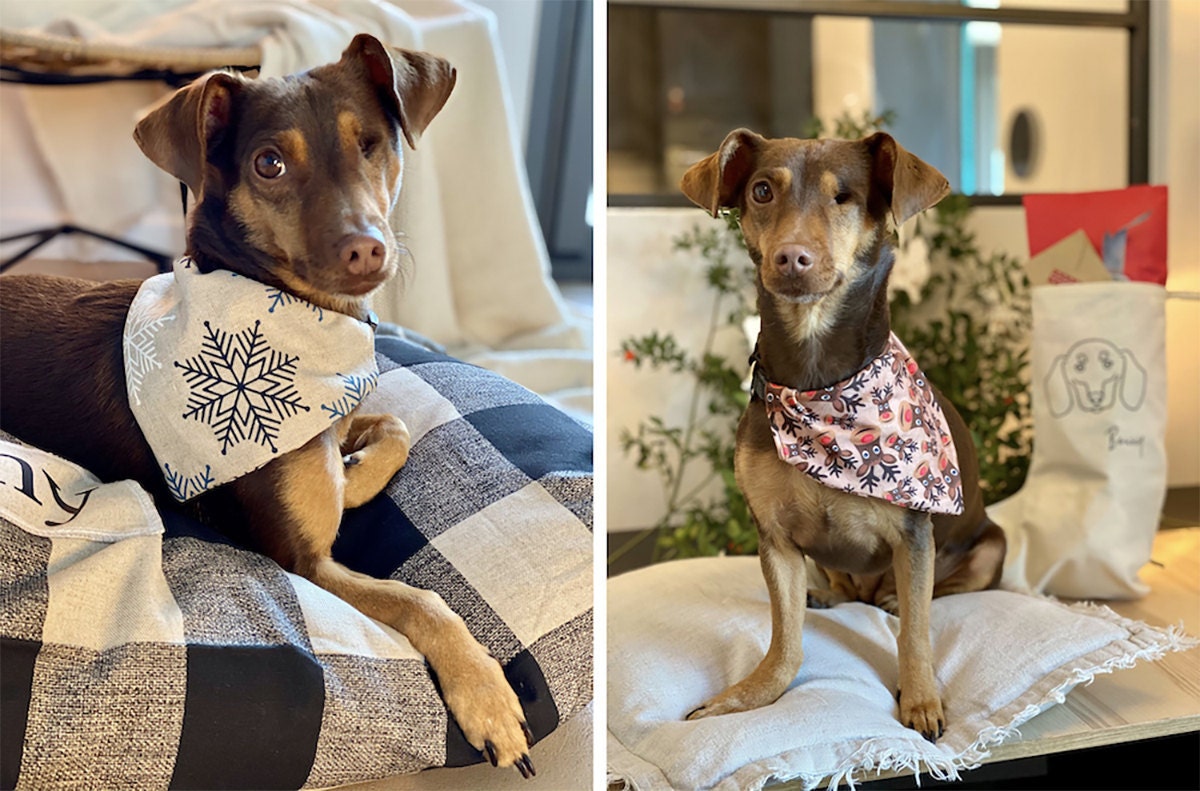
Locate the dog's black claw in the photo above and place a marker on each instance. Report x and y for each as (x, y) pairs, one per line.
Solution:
(525, 767)
(929, 737)
(490, 749)
(528, 733)
(688, 716)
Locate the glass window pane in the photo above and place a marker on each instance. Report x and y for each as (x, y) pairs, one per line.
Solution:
(999, 109)
(1101, 6)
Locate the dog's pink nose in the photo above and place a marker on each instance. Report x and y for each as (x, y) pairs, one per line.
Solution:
(793, 258)
(362, 253)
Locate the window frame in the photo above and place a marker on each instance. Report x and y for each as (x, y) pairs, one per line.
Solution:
(1135, 20)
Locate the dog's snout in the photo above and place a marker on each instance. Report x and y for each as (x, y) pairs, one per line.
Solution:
(793, 258)
(362, 253)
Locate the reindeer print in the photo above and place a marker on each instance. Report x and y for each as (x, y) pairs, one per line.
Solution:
(836, 397)
(952, 477)
(873, 449)
(838, 457)
(881, 397)
(879, 433)
(928, 477)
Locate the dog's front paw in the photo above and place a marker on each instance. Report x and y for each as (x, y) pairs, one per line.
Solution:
(922, 713)
(822, 598)
(711, 708)
(489, 714)
(739, 697)
(889, 603)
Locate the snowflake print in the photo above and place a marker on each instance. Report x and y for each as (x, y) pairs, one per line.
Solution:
(241, 387)
(355, 389)
(183, 487)
(277, 297)
(139, 351)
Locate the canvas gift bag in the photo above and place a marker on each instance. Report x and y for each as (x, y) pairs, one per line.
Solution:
(1084, 522)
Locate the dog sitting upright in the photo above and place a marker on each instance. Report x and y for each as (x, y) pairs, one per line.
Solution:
(845, 453)
(294, 180)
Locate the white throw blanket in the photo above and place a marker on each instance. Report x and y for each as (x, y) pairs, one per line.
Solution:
(479, 273)
(681, 632)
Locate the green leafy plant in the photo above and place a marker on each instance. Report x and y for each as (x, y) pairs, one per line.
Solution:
(973, 342)
(698, 521)
(969, 329)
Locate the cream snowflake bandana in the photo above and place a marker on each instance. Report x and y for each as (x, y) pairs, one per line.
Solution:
(879, 433)
(224, 373)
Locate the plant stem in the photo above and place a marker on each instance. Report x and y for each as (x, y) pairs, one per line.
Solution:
(622, 550)
(698, 487)
(693, 406)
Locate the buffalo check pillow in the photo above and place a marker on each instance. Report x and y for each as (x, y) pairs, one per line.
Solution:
(140, 648)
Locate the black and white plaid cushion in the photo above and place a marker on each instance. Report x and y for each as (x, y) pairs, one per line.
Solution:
(175, 659)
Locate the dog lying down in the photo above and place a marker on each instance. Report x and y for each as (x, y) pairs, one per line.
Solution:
(846, 453)
(209, 385)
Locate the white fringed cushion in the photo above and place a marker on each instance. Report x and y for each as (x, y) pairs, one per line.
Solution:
(681, 632)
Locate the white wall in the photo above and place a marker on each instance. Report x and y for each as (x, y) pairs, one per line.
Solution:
(1080, 122)
(517, 22)
(1175, 161)
(650, 287)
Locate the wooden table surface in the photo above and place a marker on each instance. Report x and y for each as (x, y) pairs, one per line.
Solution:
(1151, 699)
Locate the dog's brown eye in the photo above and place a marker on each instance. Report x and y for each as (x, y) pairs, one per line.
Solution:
(762, 192)
(842, 197)
(269, 165)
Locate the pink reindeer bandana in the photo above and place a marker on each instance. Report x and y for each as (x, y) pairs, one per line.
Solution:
(879, 433)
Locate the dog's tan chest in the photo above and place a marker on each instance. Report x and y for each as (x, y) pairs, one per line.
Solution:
(837, 529)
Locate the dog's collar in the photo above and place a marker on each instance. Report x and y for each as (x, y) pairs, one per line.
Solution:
(225, 373)
(878, 433)
(760, 379)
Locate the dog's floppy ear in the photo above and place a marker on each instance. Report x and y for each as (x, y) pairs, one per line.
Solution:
(413, 86)
(1133, 383)
(909, 185)
(714, 181)
(177, 133)
(1059, 396)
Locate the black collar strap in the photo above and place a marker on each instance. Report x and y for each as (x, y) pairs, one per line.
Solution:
(758, 375)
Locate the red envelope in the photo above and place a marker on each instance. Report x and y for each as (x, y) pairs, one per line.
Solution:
(1140, 211)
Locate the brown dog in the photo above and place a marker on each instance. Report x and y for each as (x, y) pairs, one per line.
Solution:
(294, 182)
(818, 217)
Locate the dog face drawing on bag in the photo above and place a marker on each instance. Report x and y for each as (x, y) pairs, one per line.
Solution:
(294, 180)
(1092, 376)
